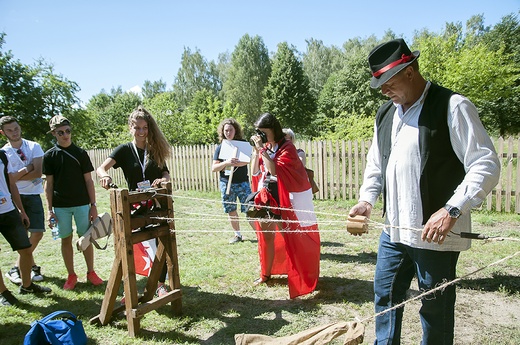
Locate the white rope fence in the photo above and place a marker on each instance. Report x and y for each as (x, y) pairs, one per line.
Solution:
(206, 217)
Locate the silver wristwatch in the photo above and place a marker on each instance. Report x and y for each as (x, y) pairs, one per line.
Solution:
(454, 212)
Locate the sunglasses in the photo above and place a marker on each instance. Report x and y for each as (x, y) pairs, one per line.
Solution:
(22, 156)
(61, 133)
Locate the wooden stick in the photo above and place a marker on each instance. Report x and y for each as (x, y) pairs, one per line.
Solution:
(235, 153)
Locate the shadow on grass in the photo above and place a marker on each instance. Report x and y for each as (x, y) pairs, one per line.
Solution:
(509, 284)
(332, 244)
(260, 316)
(363, 257)
(215, 317)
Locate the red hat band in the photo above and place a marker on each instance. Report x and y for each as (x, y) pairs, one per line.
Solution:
(403, 59)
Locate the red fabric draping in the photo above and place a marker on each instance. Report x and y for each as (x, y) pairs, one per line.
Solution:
(297, 253)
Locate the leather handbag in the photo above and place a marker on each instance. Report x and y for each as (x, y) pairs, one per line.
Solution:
(58, 328)
(251, 210)
(100, 227)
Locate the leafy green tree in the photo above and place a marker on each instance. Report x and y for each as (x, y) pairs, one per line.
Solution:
(222, 68)
(168, 116)
(109, 113)
(287, 94)
(319, 62)
(151, 89)
(195, 75)
(468, 65)
(33, 94)
(247, 77)
(203, 115)
(506, 35)
(347, 97)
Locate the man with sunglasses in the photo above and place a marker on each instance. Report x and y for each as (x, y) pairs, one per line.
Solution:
(70, 193)
(25, 168)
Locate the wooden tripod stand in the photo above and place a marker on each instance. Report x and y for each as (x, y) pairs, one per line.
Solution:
(129, 229)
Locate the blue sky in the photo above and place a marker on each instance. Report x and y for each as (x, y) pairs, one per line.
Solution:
(105, 44)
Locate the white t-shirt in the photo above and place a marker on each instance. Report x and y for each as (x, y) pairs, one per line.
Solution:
(6, 203)
(30, 150)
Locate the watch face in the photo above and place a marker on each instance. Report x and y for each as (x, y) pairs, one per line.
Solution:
(454, 212)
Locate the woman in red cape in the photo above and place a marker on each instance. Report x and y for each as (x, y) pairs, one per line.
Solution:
(295, 250)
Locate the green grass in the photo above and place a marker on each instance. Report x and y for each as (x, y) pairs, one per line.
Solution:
(219, 300)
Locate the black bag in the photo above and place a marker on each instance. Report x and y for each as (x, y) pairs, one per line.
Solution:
(272, 186)
(252, 211)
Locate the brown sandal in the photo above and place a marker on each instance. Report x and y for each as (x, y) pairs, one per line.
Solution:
(263, 279)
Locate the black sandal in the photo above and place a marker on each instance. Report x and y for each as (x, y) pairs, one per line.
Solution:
(263, 279)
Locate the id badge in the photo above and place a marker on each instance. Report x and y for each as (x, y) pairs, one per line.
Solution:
(227, 171)
(143, 186)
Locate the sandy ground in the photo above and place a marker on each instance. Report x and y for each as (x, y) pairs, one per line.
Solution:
(480, 317)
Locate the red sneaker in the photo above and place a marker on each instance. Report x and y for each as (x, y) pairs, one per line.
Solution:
(72, 279)
(94, 279)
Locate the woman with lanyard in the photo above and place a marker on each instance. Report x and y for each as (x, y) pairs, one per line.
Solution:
(143, 161)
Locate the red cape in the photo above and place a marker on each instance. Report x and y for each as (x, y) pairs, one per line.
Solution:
(297, 253)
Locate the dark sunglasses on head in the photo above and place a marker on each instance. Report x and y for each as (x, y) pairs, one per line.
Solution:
(60, 133)
(20, 153)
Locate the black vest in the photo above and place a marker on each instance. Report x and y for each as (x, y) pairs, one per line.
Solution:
(441, 170)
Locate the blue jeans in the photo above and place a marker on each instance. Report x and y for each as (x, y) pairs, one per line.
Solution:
(396, 266)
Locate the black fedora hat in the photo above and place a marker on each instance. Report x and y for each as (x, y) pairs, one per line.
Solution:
(387, 59)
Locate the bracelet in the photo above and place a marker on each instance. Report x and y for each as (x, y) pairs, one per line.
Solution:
(106, 176)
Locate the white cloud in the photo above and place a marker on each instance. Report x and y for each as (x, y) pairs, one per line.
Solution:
(136, 89)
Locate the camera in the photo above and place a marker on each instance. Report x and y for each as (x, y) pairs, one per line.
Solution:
(262, 135)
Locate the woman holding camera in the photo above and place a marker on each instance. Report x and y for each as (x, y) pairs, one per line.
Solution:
(283, 185)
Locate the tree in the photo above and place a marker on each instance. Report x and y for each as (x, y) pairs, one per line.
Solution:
(247, 77)
(151, 89)
(486, 75)
(287, 94)
(347, 97)
(109, 113)
(203, 116)
(168, 116)
(195, 75)
(319, 62)
(506, 35)
(33, 94)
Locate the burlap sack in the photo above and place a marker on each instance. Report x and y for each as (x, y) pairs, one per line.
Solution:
(324, 334)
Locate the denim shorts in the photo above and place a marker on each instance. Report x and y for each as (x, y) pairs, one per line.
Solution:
(238, 191)
(13, 230)
(34, 208)
(81, 218)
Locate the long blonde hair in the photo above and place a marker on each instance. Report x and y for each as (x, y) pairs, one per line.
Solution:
(158, 147)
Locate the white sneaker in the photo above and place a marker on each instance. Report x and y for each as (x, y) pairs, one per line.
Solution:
(36, 275)
(14, 275)
(235, 239)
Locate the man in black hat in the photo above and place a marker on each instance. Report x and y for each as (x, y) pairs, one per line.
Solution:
(432, 161)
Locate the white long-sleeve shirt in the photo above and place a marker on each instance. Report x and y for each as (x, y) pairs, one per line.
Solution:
(472, 146)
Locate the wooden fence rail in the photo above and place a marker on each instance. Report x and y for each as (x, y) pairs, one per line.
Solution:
(338, 167)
